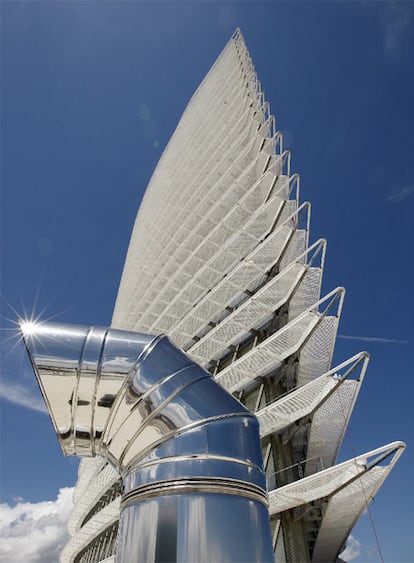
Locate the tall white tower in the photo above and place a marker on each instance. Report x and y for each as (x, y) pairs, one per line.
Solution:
(220, 261)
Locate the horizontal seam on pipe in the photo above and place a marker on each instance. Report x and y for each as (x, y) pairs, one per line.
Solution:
(192, 457)
(178, 431)
(196, 485)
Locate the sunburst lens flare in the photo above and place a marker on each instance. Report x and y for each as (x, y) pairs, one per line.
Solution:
(28, 328)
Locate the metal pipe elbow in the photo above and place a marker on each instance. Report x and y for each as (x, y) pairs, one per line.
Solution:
(174, 434)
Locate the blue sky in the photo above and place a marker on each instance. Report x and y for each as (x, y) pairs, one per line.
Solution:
(91, 93)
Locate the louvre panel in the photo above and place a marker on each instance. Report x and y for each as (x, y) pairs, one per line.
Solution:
(224, 336)
(243, 277)
(315, 486)
(296, 405)
(221, 234)
(307, 293)
(246, 276)
(100, 481)
(257, 196)
(269, 354)
(296, 247)
(209, 349)
(289, 339)
(88, 469)
(276, 292)
(289, 211)
(270, 252)
(246, 316)
(97, 524)
(250, 315)
(228, 257)
(243, 372)
(343, 510)
(315, 358)
(328, 426)
(196, 221)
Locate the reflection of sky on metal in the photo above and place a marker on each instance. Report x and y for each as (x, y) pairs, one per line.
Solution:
(76, 160)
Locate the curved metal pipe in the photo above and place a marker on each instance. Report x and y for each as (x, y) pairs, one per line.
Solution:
(188, 452)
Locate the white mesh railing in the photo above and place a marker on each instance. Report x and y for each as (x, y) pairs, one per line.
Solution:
(212, 260)
(88, 469)
(181, 231)
(307, 292)
(201, 111)
(257, 310)
(97, 524)
(269, 354)
(297, 404)
(97, 486)
(235, 159)
(330, 481)
(247, 275)
(316, 355)
(329, 424)
(224, 201)
(342, 512)
(328, 402)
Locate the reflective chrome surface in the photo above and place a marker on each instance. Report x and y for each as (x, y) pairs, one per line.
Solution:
(189, 453)
(80, 371)
(195, 528)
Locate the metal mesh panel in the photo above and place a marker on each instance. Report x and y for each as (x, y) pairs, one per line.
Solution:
(88, 469)
(267, 355)
(250, 315)
(272, 248)
(245, 172)
(313, 487)
(228, 256)
(92, 490)
(289, 339)
(343, 510)
(245, 276)
(93, 528)
(296, 247)
(239, 121)
(307, 293)
(316, 355)
(294, 406)
(328, 426)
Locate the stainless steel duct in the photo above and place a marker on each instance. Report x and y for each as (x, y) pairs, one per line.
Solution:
(189, 453)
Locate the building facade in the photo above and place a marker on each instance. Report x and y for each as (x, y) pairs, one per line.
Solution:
(220, 260)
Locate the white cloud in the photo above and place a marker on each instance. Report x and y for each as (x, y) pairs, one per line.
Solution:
(22, 395)
(35, 532)
(352, 550)
(397, 196)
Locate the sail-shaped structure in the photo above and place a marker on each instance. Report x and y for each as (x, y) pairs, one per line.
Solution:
(220, 260)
